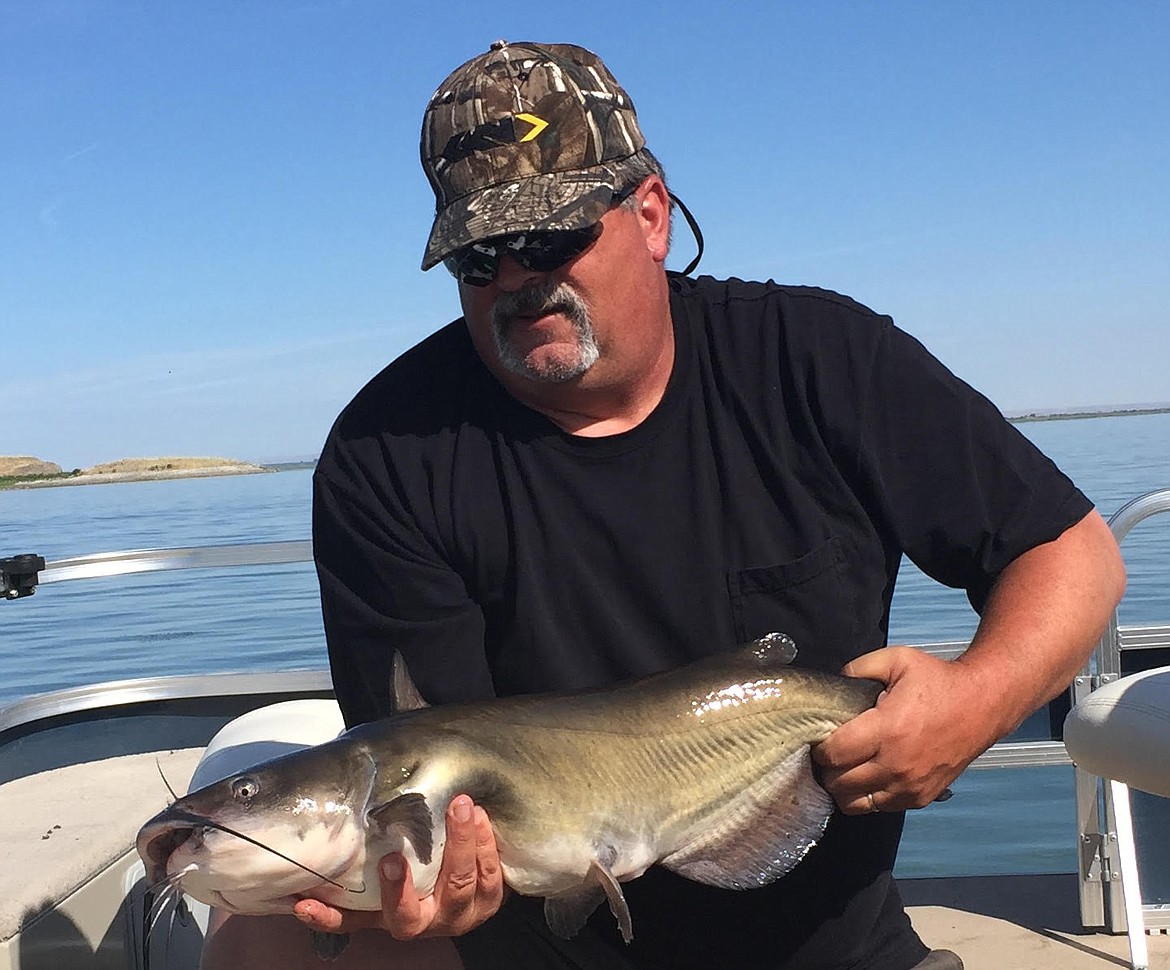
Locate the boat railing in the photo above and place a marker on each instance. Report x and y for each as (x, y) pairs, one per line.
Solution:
(21, 575)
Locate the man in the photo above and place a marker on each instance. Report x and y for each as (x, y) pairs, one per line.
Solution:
(603, 470)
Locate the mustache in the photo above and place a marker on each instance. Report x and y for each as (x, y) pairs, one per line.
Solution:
(537, 300)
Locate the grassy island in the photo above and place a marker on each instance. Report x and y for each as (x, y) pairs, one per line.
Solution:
(23, 472)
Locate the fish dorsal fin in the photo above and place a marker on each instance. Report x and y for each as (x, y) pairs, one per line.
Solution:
(406, 816)
(404, 696)
(761, 833)
(567, 912)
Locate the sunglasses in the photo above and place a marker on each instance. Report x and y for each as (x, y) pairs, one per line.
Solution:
(541, 250)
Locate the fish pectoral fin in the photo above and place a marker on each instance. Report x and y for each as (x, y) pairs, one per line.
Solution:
(407, 816)
(328, 946)
(567, 912)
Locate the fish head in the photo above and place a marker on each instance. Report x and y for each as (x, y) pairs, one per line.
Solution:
(259, 840)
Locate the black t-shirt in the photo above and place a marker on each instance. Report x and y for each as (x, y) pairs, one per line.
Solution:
(802, 445)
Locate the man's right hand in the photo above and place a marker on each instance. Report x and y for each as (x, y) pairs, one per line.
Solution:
(468, 890)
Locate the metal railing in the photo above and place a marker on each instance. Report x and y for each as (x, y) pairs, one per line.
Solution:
(1103, 818)
(1005, 754)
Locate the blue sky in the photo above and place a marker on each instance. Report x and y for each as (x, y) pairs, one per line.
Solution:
(212, 214)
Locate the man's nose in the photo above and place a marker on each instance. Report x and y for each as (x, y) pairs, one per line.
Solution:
(512, 276)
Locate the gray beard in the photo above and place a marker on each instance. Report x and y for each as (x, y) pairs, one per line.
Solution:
(540, 299)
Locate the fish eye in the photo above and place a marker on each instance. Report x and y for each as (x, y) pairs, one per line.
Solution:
(245, 788)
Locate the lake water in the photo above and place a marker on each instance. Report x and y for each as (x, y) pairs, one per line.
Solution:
(267, 618)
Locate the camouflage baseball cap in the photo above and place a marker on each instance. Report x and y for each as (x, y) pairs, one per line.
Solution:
(519, 138)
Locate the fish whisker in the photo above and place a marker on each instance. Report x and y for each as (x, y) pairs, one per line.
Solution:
(202, 820)
(171, 894)
(158, 765)
(157, 907)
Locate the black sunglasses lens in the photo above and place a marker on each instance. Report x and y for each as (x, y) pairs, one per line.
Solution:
(479, 263)
(546, 251)
(475, 265)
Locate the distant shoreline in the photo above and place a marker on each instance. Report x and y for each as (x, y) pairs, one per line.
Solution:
(113, 478)
(1080, 415)
(110, 478)
(144, 470)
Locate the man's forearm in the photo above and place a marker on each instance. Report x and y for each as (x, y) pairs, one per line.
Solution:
(1042, 619)
(1044, 615)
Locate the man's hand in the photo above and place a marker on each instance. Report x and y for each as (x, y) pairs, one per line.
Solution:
(928, 725)
(1040, 622)
(469, 887)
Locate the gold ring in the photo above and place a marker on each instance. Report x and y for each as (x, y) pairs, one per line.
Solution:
(872, 804)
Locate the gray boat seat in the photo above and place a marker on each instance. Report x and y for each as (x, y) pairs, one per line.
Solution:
(1121, 731)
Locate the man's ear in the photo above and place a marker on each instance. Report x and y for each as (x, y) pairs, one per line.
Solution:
(654, 217)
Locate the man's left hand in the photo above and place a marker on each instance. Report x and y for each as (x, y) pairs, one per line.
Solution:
(927, 726)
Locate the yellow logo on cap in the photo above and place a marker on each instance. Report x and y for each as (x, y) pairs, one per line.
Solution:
(538, 125)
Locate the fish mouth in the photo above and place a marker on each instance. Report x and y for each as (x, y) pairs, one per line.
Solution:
(159, 839)
(162, 836)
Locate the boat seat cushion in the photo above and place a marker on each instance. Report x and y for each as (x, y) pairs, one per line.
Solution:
(1122, 731)
(266, 733)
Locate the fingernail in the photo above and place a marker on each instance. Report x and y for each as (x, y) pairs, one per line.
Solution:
(392, 868)
(304, 917)
(461, 809)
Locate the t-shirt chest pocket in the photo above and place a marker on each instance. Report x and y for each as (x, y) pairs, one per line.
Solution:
(807, 598)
